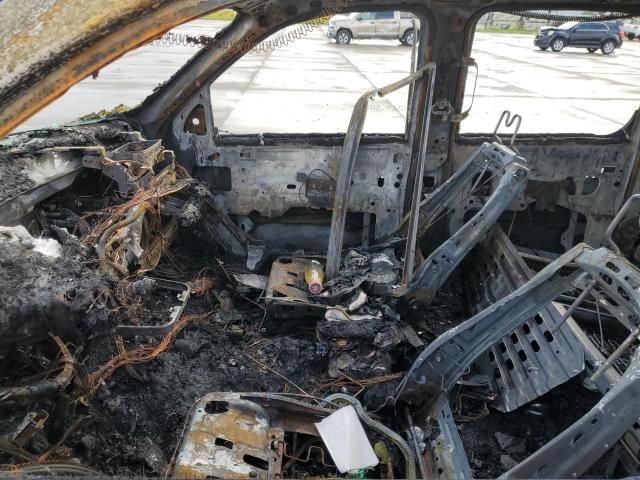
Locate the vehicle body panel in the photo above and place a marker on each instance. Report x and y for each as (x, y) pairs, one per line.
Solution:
(385, 24)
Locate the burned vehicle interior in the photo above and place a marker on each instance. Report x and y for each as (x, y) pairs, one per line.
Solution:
(181, 301)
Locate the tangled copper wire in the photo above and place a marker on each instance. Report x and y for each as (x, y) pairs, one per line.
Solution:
(141, 354)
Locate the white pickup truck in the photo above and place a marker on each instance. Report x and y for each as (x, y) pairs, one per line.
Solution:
(384, 24)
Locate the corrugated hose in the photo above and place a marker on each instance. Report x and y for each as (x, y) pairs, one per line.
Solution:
(409, 458)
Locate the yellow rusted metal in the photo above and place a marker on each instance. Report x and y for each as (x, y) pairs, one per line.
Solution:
(46, 47)
(227, 432)
(217, 444)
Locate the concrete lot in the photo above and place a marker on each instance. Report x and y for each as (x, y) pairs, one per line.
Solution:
(570, 91)
(311, 85)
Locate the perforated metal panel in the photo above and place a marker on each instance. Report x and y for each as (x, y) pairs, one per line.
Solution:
(531, 360)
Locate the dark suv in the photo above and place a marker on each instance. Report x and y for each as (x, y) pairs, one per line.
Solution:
(606, 36)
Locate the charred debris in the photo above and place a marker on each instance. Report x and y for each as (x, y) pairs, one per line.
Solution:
(145, 331)
(187, 303)
(132, 301)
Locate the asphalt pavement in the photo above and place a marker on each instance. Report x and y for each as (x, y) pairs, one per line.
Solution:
(312, 84)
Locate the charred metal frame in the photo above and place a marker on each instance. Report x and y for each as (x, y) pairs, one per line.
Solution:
(571, 453)
(451, 32)
(445, 360)
(412, 235)
(552, 160)
(443, 152)
(438, 267)
(449, 459)
(349, 153)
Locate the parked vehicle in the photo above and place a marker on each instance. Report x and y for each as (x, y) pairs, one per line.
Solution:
(606, 36)
(385, 24)
(631, 30)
